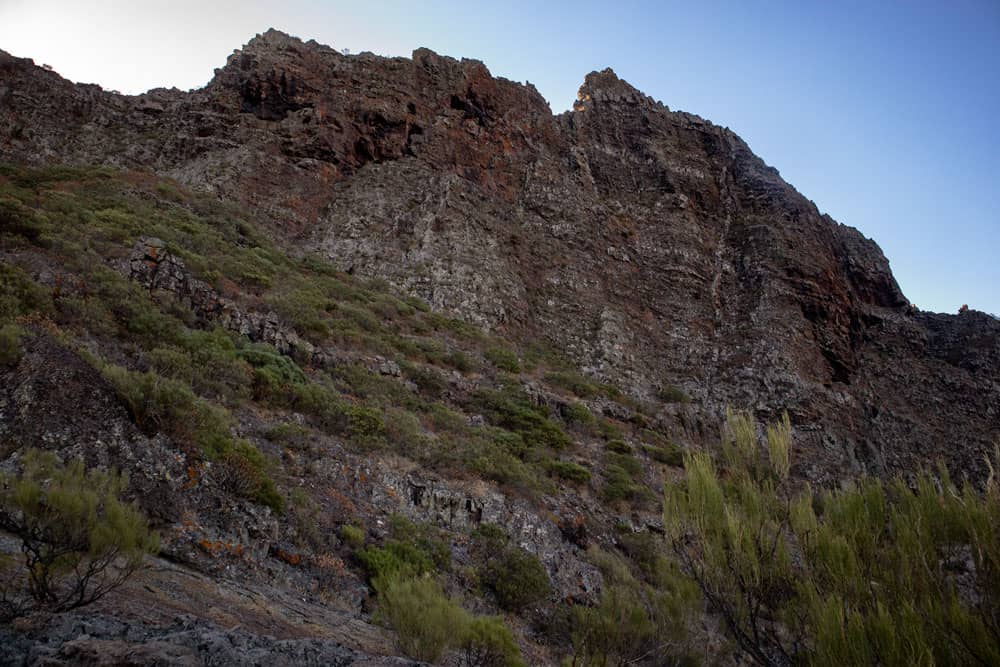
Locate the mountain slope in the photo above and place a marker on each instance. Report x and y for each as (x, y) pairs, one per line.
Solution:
(327, 290)
(651, 245)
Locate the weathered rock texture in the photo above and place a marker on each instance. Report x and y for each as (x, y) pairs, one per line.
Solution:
(651, 245)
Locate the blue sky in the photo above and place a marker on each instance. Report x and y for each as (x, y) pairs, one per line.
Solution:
(885, 114)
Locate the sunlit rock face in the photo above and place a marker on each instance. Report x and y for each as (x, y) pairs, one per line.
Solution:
(652, 246)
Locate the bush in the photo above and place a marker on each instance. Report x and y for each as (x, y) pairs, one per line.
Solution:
(671, 394)
(243, 472)
(414, 550)
(79, 541)
(573, 382)
(20, 295)
(577, 414)
(428, 381)
(352, 536)
(782, 565)
(503, 359)
(459, 360)
(513, 410)
(428, 623)
(517, 578)
(10, 344)
(618, 447)
(162, 404)
(487, 642)
(425, 620)
(569, 471)
(671, 455)
(394, 560)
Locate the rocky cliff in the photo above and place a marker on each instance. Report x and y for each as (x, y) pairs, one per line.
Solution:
(651, 245)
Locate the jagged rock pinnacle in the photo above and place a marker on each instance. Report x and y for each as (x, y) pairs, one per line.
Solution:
(606, 87)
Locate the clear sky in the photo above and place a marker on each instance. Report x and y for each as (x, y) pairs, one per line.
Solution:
(886, 114)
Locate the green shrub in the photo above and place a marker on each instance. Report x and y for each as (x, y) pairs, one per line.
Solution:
(20, 295)
(487, 642)
(425, 620)
(626, 462)
(618, 484)
(79, 541)
(394, 560)
(569, 471)
(490, 538)
(353, 536)
(459, 360)
(10, 344)
(671, 394)
(243, 471)
(574, 382)
(517, 578)
(513, 410)
(428, 381)
(414, 550)
(275, 376)
(157, 403)
(15, 218)
(859, 575)
(634, 620)
(288, 434)
(365, 426)
(577, 414)
(221, 371)
(503, 359)
(671, 455)
(618, 447)
(609, 430)
(425, 537)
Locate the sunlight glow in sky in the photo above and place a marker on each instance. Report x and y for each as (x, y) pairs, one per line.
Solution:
(885, 114)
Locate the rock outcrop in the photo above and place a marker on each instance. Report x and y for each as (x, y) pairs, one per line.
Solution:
(651, 245)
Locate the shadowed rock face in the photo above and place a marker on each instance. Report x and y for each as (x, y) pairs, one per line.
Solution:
(651, 245)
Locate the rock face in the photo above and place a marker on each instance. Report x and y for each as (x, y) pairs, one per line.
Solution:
(651, 245)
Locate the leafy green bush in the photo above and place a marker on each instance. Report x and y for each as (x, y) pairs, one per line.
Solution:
(79, 541)
(517, 578)
(635, 620)
(353, 536)
(365, 426)
(569, 471)
(577, 414)
(503, 359)
(513, 410)
(487, 642)
(425, 620)
(394, 560)
(289, 434)
(414, 550)
(862, 575)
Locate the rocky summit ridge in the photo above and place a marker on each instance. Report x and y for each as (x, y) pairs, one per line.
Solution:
(650, 246)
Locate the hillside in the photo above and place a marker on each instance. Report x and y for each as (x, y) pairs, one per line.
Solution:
(330, 304)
